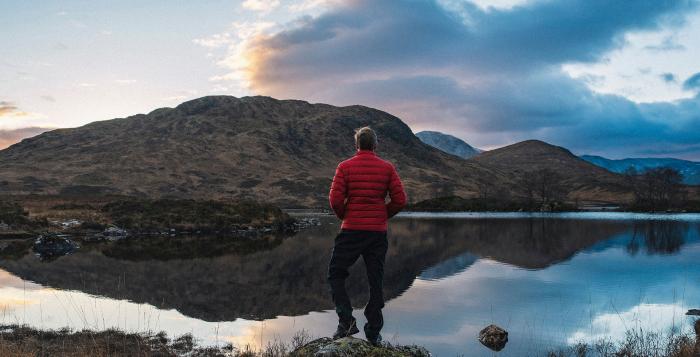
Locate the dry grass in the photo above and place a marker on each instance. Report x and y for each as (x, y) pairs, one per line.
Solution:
(637, 343)
(22, 341)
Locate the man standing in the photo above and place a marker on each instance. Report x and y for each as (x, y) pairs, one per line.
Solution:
(358, 197)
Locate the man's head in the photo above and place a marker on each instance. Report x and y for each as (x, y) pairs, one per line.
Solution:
(365, 139)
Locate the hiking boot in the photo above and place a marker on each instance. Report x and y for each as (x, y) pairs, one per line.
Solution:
(346, 329)
(375, 340)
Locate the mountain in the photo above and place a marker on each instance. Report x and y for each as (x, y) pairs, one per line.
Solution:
(448, 143)
(222, 147)
(689, 169)
(583, 180)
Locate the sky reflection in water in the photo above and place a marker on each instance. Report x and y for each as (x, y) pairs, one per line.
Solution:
(548, 281)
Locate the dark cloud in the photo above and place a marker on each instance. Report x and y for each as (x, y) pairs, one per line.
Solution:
(491, 77)
(9, 137)
(693, 82)
(669, 77)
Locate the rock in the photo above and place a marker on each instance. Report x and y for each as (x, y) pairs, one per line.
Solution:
(4, 226)
(696, 352)
(493, 337)
(350, 346)
(109, 234)
(52, 245)
(693, 312)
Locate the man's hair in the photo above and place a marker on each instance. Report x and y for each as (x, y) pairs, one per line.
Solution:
(365, 138)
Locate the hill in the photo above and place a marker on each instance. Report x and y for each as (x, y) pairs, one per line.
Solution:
(581, 179)
(222, 147)
(689, 169)
(448, 143)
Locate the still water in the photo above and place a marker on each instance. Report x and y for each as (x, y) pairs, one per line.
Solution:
(550, 280)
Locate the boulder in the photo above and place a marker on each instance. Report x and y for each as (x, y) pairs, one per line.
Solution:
(350, 346)
(493, 337)
(52, 245)
(693, 312)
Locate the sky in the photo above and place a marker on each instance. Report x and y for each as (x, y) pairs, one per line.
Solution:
(613, 78)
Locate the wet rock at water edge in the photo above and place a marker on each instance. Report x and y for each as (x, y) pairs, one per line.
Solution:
(52, 245)
(350, 346)
(109, 234)
(493, 337)
(693, 312)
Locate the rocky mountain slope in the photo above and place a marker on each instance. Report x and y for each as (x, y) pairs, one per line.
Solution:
(582, 180)
(223, 147)
(689, 169)
(448, 143)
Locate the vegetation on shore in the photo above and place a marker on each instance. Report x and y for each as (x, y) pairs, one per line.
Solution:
(191, 215)
(637, 343)
(18, 341)
(25, 341)
(457, 204)
(33, 214)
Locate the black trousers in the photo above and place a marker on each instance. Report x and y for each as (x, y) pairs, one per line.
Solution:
(349, 246)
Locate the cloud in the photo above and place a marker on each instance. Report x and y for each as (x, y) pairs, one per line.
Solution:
(48, 98)
(261, 5)
(668, 77)
(8, 109)
(491, 76)
(125, 81)
(669, 43)
(214, 41)
(692, 83)
(13, 136)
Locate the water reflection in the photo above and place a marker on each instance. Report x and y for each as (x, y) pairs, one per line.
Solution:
(547, 281)
(659, 237)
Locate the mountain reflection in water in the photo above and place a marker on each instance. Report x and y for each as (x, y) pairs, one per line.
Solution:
(208, 279)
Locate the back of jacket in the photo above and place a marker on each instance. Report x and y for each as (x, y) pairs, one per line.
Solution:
(359, 190)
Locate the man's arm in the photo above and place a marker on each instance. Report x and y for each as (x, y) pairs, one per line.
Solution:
(338, 193)
(396, 194)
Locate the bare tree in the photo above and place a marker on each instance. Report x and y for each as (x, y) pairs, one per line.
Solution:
(655, 189)
(543, 188)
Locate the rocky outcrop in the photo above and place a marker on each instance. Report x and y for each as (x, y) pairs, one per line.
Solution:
(350, 347)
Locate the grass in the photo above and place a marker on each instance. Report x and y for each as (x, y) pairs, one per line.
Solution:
(24, 341)
(191, 214)
(637, 343)
(18, 340)
(33, 213)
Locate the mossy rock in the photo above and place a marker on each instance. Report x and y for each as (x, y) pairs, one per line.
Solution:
(350, 346)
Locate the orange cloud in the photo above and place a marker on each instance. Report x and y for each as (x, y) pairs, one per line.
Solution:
(9, 108)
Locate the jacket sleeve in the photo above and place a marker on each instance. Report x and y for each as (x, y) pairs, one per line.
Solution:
(396, 194)
(338, 193)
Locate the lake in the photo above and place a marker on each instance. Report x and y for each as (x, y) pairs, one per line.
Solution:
(549, 279)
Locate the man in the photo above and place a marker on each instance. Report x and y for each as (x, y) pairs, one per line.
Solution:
(358, 197)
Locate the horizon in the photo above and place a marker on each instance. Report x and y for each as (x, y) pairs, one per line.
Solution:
(627, 89)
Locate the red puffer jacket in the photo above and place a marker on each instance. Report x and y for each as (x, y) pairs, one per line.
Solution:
(359, 190)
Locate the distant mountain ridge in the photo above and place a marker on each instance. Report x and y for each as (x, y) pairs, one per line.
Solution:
(689, 169)
(448, 143)
(277, 151)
